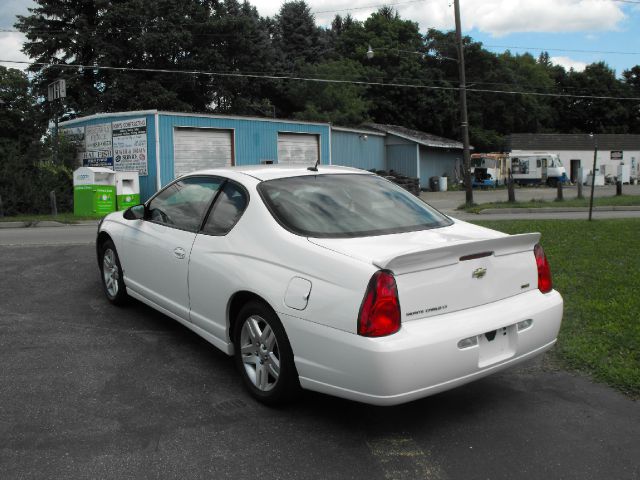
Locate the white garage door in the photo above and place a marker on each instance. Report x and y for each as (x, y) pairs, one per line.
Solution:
(198, 148)
(298, 149)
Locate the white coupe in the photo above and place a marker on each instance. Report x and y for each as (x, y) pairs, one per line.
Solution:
(332, 279)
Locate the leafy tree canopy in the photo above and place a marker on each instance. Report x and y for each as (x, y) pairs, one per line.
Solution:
(240, 56)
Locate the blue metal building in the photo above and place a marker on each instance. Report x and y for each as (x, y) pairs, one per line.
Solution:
(360, 148)
(419, 154)
(162, 145)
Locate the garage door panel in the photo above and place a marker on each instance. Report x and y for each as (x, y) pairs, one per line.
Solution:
(199, 148)
(298, 149)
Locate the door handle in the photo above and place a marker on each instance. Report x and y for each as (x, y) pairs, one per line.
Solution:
(179, 252)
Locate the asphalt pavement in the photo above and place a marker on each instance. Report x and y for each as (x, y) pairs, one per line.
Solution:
(89, 390)
(59, 235)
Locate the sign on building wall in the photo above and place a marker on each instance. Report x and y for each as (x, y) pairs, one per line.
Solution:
(75, 135)
(119, 145)
(616, 154)
(98, 158)
(98, 137)
(130, 145)
(97, 146)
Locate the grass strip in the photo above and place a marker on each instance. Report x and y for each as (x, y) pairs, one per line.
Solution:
(596, 268)
(614, 201)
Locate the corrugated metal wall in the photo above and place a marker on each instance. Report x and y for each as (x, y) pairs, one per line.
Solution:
(434, 162)
(255, 140)
(147, 182)
(350, 149)
(403, 159)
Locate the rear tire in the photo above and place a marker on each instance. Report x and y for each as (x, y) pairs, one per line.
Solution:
(263, 355)
(111, 274)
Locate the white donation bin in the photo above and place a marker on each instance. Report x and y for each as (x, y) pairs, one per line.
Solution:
(442, 184)
(127, 189)
(599, 180)
(94, 191)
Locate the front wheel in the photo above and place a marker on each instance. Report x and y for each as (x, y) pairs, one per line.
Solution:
(111, 270)
(263, 355)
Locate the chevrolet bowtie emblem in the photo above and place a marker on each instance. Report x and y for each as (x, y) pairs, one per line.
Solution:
(479, 273)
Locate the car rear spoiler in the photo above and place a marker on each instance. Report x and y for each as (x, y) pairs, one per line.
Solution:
(418, 260)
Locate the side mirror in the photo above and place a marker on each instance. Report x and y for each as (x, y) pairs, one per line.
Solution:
(135, 213)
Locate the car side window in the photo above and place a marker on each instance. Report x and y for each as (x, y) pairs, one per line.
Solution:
(183, 204)
(227, 210)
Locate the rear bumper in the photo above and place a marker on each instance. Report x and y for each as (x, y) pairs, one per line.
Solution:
(423, 358)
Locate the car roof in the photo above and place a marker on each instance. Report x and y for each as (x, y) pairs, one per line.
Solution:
(271, 172)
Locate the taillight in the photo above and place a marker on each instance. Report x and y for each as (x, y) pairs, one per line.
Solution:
(380, 310)
(544, 270)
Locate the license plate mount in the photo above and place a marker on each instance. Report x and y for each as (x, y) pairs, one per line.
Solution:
(497, 345)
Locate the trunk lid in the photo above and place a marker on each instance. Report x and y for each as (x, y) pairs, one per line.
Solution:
(448, 269)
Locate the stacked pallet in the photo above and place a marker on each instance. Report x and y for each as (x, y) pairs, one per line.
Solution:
(408, 183)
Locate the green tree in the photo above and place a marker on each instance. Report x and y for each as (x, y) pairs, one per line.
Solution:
(593, 114)
(26, 178)
(61, 33)
(121, 34)
(238, 41)
(154, 34)
(521, 113)
(296, 36)
(298, 43)
(339, 103)
(21, 121)
(27, 173)
(632, 81)
(400, 57)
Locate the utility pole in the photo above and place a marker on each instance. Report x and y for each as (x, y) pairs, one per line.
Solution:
(464, 122)
(56, 138)
(593, 172)
(56, 91)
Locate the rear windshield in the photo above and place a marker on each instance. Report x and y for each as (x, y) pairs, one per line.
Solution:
(346, 205)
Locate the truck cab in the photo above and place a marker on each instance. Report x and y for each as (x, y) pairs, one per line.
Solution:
(537, 168)
(488, 170)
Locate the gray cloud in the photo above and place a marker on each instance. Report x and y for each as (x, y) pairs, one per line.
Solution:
(10, 8)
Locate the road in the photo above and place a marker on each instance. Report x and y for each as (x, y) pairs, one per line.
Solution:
(61, 235)
(89, 390)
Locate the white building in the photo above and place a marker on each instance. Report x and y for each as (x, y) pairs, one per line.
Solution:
(576, 150)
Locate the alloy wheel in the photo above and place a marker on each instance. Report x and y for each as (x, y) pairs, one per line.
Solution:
(110, 272)
(259, 352)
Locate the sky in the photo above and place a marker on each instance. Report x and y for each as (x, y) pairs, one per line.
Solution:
(574, 32)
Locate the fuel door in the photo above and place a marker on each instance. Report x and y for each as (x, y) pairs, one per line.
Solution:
(297, 294)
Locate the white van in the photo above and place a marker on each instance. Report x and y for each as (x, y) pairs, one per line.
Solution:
(537, 168)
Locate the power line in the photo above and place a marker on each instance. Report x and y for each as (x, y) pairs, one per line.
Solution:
(367, 7)
(318, 80)
(400, 80)
(614, 52)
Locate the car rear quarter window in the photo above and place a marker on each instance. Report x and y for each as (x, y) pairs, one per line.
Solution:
(346, 205)
(183, 204)
(227, 210)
